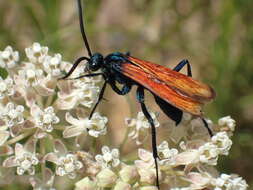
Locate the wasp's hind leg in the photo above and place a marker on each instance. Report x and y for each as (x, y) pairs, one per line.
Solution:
(140, 98)
(189, 73)
(181, 64)
(207, 127)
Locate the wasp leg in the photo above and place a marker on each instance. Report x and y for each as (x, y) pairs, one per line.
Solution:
(207, 127)
(76, 63)
(100, 97)
(140, 98)
(125, 89)
(181, 64)
(189, 73)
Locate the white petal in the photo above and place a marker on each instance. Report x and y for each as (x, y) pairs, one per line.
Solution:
(73, 131)
(51, 157)
(19, 149)
(9, 162)
(4, 135)
(31, 145)
(60, 147)
(187, 157)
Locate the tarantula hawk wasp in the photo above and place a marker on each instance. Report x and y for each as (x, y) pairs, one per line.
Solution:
(173, 91)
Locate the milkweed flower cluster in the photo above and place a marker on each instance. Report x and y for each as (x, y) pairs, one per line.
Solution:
(40, 116)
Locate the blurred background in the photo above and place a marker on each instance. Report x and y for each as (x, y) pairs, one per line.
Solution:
(215, 36)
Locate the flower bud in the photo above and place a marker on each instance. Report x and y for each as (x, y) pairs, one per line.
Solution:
(148, 176)
(129, 174)
(122, 186)
(106, 178)
(148, 188)
(85, 184)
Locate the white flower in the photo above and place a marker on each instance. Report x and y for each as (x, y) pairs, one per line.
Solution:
(36, 53)
(69, 98)
(6, 87)
(25, 158)
(227, 123)
(95, 126)
(166, 154)
(52, 64)
(146, 166)
(223, 143)
(198, 180)
(139, 126)
(12, 114)
(30, 75)
(208, 153)
(8, 58)
(87, 95)
(44, 119)
(229, 182)
(66, 163)
(109, 158)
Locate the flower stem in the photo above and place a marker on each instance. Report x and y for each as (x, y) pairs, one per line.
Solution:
(43, 152)
(49, 101)
(19, 137)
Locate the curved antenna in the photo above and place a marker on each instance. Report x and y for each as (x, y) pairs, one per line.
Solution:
(76, 63)
(80, 10)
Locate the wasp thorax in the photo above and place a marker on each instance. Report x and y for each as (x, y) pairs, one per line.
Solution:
(96, 62)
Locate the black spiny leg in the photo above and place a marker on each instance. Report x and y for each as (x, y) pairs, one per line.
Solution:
(140, 98)
(207, 127)
(189, 73)
(181, 64)
(100, 97)
(125, 89)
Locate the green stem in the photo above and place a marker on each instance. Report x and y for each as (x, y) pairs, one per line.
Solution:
(49, 101)
(19, 137)
(43, 152)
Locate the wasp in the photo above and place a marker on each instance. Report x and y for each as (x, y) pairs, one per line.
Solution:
(174, 92)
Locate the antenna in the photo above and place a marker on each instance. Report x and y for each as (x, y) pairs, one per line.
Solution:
(80, 10)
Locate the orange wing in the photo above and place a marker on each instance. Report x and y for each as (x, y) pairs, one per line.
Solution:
(184, 84)
(177, 89)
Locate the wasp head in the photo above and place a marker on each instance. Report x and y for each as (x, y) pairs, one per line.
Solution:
(96, 61)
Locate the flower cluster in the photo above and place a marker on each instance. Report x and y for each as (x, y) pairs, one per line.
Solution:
(32, 103)
(139, 127)
(41, 115)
